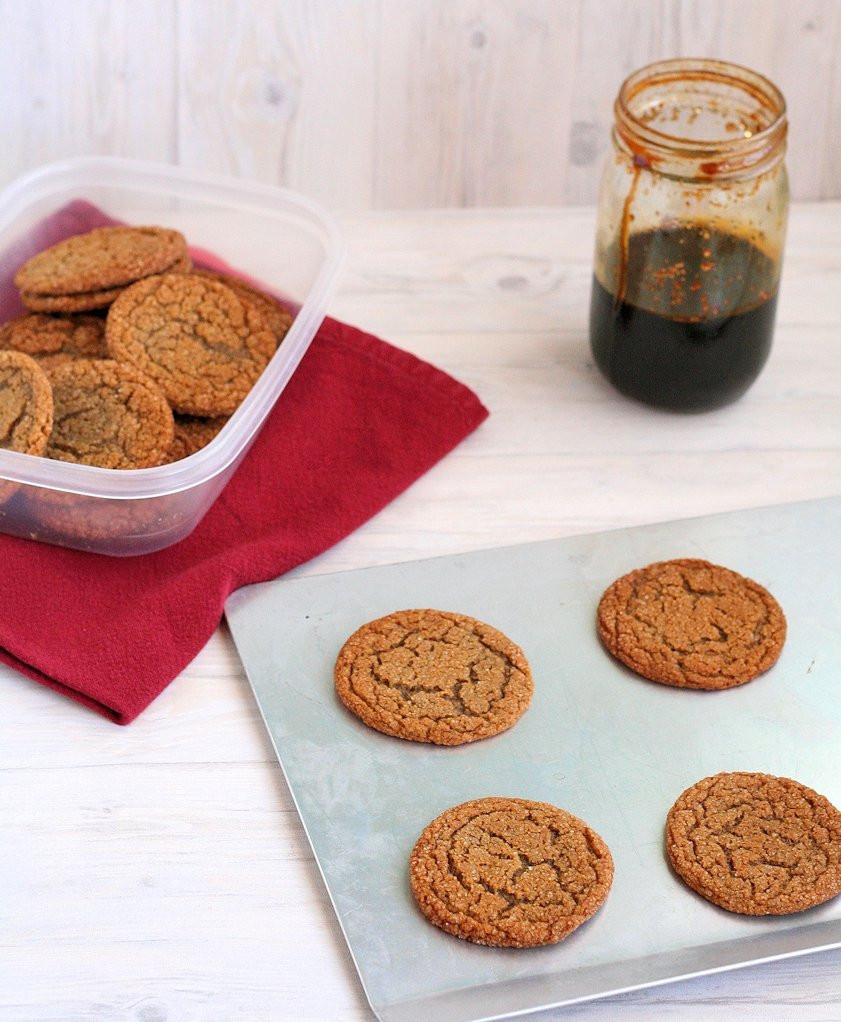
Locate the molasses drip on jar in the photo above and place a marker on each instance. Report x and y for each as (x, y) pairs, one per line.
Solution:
(690, 233)
(693, 327)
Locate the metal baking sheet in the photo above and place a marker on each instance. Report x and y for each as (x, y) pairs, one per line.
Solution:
(597, 740)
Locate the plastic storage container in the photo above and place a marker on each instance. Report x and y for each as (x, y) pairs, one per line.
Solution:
(284, 242)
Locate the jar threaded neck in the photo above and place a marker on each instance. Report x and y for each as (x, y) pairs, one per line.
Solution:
(701, 119)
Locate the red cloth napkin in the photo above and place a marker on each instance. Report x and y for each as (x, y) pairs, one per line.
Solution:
(359, 421)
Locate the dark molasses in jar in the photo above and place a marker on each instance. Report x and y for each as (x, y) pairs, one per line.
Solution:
(689, 243)
(703, 333)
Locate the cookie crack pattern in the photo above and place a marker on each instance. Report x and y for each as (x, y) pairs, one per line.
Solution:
(474, 883)
(498, 876)
(695, 591)
(26, 408)
(691, 624)
(15, 425)
(201, 342)
(433, 676)
(58, 447)
(455, 698)
(108, 415)
(756, 844)
(509, 872)
(760, 629)
(383, 673)
(79, 411)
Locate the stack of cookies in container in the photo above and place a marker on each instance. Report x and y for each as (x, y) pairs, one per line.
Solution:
(129, 356)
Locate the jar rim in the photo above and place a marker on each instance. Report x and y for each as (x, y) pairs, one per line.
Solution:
(739, 152)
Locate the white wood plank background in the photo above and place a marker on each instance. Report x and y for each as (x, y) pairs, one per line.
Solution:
(376, 104)
(160, 873)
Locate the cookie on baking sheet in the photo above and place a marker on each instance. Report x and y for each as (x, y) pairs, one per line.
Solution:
(199, 341)
(277, 316)
(101, 259)
(433, 676)
(756, 844)
(691, 624)
(53, 340)
(192, 433)
(108, 415)
(508, 872)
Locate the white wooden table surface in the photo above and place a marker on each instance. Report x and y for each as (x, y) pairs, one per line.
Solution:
(159, 872)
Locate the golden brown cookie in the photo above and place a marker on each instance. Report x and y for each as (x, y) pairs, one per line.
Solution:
(433, 676)
(276, 316)
(691, 624)
(85, 301)
(756, 844)
(192, 434)
(26, 409)
(26, 404)
(201, 343)
(508, 872)
(84, 522)
(104, 258)
(53, 340)
(109, 415)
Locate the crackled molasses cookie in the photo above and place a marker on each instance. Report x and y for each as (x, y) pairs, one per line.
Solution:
(192, 433)
(26, 404)
(26, 409)
(201, 343)
(509, 872)
(84, 522)
(91, 265)
(277, 318)
(109, 415)
(84, 301)
(691, 624)
(53, 340)
(432, 676)
(756, 844)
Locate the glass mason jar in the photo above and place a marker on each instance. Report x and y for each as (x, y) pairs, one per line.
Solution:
(689, 241)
